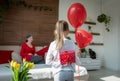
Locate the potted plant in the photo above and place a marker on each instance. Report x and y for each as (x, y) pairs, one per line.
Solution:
(68, 38)
(83, 53)
(21, 71)
(103, 18)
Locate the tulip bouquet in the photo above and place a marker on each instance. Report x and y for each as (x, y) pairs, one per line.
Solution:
(21, 71)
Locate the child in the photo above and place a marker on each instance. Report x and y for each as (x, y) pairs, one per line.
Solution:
(59, 45)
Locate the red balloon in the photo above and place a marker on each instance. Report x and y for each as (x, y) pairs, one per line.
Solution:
(83, 38)
(76, 15)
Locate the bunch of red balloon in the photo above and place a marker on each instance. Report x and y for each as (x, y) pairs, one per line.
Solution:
(77, 16)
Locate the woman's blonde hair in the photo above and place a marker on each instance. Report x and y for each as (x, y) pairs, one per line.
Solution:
(61, 28)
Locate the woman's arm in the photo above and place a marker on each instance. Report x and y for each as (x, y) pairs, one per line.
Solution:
(34, 50)
(22, 51)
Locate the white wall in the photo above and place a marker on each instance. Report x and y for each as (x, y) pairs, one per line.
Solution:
(93, 10)
(112, 38)
(119, 42)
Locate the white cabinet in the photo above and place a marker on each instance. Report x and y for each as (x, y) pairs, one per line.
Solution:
(90, 64)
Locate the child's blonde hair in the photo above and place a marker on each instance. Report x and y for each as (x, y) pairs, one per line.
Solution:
(61, 28)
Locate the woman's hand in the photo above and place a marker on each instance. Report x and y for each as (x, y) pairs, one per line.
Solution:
(78, 51)
(35, 54)
(30, 54)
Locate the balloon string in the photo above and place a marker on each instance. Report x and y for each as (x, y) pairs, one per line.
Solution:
(78, 73)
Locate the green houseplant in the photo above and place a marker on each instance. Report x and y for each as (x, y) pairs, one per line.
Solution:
(103, 18)
(68, 38)
(21, 71)
(83, 53)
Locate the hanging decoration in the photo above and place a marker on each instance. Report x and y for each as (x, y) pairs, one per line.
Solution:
(5, 5)
(103, 18)
(30, 6)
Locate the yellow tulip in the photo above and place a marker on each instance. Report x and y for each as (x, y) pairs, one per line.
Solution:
(31, 65)
(27, 65)
(17, 66)
(14, 64)
(11, 63)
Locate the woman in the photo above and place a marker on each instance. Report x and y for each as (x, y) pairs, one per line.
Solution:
(28, 51)
(61, 44)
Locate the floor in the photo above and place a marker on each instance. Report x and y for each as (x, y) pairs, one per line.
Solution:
(104, 75)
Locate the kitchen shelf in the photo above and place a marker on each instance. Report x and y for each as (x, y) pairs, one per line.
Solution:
(90, 22)
(71, 31)
(93, 43)
(93, 33)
